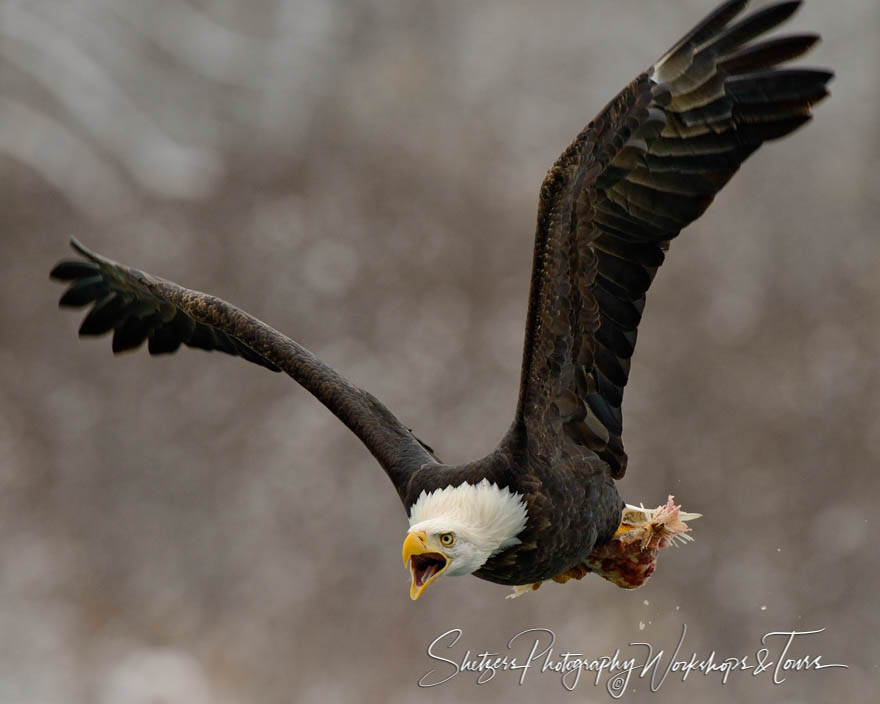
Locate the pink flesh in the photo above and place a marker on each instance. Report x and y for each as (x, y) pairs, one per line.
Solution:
(422, 574)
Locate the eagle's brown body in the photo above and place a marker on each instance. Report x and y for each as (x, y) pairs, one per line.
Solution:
(570, 511)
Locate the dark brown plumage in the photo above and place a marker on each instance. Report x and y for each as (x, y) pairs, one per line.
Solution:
(649, 164)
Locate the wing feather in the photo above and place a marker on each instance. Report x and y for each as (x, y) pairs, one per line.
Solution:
(647, 166)
(138, 307)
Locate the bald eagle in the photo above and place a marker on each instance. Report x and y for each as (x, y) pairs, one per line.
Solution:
(542, 505)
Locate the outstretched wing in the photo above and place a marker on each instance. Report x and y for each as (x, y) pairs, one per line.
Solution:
(139, 307)
(649, 164)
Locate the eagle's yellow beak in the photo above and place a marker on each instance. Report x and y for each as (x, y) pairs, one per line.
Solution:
(425, 562)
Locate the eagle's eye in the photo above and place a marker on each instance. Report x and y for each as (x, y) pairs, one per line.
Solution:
(447, 539)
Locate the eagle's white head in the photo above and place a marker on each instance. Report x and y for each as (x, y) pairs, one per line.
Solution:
(454, 530)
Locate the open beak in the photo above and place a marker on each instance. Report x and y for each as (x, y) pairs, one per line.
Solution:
(424, 564)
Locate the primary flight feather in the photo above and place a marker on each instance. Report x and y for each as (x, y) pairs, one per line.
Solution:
(543, 505)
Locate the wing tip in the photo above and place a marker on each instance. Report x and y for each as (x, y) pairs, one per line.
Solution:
(80, 248)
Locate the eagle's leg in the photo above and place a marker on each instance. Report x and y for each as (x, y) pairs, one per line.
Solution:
(629, 558)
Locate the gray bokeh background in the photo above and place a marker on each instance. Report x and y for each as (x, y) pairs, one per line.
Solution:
(364, 177)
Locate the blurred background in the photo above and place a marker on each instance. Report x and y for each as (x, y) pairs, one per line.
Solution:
(363, 176)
